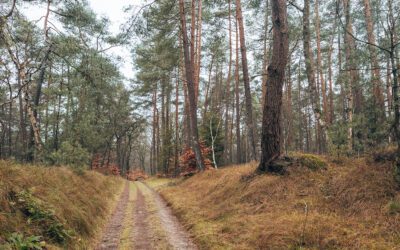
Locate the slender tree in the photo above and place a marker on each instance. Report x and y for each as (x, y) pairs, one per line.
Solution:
(271, 122)
(246, 81)
(191, 88)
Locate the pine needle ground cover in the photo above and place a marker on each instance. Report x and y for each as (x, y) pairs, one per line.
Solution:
(53, 206)
(351, 205)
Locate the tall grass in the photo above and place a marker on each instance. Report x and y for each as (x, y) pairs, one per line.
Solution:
(78, 204)
(348, 206)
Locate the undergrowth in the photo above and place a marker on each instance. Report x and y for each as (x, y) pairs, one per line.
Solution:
(53, 207)
(354, 205)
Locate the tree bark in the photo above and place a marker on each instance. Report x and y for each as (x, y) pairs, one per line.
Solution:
(319, 62)
(237, 99)
(246, 82)
(265, 55)
(191, 89)
(176, 125)
(227, 142)
(198, 49)
(352, 89)
(376, 80)
(310, 71)
(271, 130)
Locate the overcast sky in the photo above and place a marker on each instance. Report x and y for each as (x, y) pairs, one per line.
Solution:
(113, 10)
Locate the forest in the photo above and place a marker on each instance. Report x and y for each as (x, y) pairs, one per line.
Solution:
(241, 90)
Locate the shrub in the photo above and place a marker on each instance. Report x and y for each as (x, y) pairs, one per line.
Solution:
(393, 207)
(310, 161)
(72, 155)
(187, 161)
(36, 212)
(313, 162)
(386, 154)
(136, 175)
(18, 241)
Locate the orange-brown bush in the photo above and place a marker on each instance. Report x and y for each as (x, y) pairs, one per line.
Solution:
(187, 161)
(136, 175)
(352, 206)
(105, 168)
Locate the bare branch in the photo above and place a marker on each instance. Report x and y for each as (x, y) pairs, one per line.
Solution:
(12, 9)
(292, 3)
(353, 36)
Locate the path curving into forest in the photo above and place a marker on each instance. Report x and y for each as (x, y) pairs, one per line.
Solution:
(142, 220)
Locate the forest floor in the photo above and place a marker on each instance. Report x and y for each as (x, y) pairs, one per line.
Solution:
(142, 220)
(54, 206)
(341, 204)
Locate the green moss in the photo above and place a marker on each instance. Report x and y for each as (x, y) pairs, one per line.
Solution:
(393, 207)
(312, 162)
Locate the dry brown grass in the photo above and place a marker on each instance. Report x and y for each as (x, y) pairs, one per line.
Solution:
(347, 206)
(81, 203)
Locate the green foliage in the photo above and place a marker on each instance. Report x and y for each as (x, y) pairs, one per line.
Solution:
(338, 135)
(397, 172)
(212, 129)
(377, 128)
(71, 155)
(37, 213)
(19, 242)
(310, 161)
(393, 207)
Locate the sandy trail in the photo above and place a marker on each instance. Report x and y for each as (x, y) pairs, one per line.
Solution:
(154, 225)
(110, 239)
(177, 237)
(142, 237)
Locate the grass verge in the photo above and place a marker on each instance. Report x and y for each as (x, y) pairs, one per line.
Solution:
(54, 204)
(348, 206)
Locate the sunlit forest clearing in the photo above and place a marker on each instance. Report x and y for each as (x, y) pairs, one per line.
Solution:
(195, 124)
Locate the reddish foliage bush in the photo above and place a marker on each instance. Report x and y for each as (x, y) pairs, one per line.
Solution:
(136, 175)
(96, 162)
(106, 169)
(114, 169)
(187, 161)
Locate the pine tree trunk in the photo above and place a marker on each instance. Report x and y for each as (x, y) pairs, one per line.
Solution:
(227, 142)
(9, 119)
(270, 138)
(330, 76)
(289, 119)
(265, 55)
(319, 62)
(299, 110)
(206, 97)
(237, 101)
(191, 89)
(389, 87)
(176, 158)
(153, 140)
(198, 49)
(310, 71)
(352, 80)
(376, 80)
(246, 81)
(56, 139)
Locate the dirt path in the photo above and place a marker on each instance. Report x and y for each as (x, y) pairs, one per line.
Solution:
(110, 239)
(148, 223)
(177, 236)
(141, 237)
